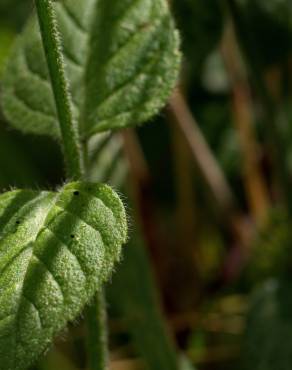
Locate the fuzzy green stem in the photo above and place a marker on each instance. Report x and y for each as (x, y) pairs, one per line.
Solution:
(53, 51)
(97, 333)
(270, 113)
(74, 159)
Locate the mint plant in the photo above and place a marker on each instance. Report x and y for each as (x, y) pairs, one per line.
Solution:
(79, 69)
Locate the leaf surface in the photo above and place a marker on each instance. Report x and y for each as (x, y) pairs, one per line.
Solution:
(132, 65)
(56, 249)
(122, 62)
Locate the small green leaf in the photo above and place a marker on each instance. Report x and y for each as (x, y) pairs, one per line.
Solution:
(56, 249)
(121, 58)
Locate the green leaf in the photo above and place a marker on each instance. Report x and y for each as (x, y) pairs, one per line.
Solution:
(6, 39)
(122, 62)
(107, 162)
(56, 249)
(132, 67)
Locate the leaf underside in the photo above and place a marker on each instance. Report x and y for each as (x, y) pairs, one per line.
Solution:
(107, 162)
(56, 249)
(121, 58)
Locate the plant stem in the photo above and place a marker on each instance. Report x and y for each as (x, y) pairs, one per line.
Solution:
(97, 333)
(68, 124)
(180, 114)
(270, 113)
(74, 158)
(256, 188)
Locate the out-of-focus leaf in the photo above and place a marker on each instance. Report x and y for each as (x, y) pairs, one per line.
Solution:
(14, 12)
(107, 163)
(6, 39)
(139, 308)
(215, 77)
(185, 364)
(268, 341)
(272, 248)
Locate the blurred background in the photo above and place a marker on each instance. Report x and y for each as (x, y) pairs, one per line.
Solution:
(207, 273)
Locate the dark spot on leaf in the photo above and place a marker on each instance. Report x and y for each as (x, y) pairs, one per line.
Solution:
(72, 236)
(17, 222)
(76, 193)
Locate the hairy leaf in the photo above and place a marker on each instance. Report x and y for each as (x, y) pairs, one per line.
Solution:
(121, 59)
(56, 249)
(132, 67)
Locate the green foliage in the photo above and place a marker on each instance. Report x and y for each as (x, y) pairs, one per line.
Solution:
(269, 328)
(185, 364)
(139, 306)
(6, 38)
(132, 67)
(121, 60)
(271, 250)
(56, 249)
(14, 12)
(107, 162)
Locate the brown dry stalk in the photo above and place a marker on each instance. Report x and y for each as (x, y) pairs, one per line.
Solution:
(230, 214)
(255, 185)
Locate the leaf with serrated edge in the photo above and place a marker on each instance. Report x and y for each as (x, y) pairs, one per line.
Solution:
(133, 66)
(122, 62)
(56, 249)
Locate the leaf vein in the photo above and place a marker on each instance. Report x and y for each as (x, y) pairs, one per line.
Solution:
(73, 18)
(27, 106)
(35, 308)
(38, 258)
(68, 249)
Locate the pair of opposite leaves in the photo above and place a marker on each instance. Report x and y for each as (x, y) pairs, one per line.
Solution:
(57, 248)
